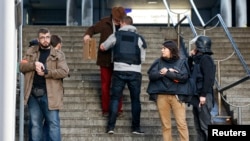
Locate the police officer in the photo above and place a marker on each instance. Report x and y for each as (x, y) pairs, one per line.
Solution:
(128, 54)
(204, 67)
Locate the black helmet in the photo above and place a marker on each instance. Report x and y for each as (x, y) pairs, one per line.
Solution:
(203, 44)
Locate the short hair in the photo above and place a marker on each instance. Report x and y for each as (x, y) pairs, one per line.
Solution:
(55, 40)
(43, 31)
(118, 12)
(127, 19)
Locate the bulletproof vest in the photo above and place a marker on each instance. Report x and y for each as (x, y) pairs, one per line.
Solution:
(198, 76)
(126, 49)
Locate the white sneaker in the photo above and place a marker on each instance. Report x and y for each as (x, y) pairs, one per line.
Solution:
(110, 132)
(138, 132)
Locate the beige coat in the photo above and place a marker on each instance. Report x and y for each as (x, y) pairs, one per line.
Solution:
(57, 70)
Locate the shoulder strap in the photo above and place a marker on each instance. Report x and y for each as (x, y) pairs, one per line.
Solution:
(143, 41)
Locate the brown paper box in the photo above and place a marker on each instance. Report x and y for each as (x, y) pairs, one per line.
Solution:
(89, 50)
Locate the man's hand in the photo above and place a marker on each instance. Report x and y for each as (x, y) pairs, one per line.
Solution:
(86, 38)
(39, 68)
(23, 61)
(202, 101)
(102, 47)
(192, 52)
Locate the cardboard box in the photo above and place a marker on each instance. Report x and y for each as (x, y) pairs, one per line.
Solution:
(89, 50)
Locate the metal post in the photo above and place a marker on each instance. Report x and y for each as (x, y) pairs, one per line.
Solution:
(241, 13)
(239, 115)
(226, 11)
(178, 37)
(68, 12)
(8, 63)
(87, 12)
(219, 94)
(70, 17)
(21, 77)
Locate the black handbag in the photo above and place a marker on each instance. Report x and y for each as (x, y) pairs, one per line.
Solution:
(38, 92)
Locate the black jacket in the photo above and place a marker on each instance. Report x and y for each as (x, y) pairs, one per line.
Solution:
(207, 70)
(171, 83)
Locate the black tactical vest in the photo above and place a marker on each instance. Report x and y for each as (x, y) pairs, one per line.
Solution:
(126, 49)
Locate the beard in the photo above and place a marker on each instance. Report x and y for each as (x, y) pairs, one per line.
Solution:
(45, 45)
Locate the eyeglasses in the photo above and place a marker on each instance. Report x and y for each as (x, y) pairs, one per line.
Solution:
(44, 37)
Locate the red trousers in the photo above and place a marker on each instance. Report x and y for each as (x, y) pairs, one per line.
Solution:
(106, 75)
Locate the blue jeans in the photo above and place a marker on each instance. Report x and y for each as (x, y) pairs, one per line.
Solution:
(38, 114)
(133, 81)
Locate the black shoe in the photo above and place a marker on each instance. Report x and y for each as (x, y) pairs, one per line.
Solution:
(120, 114)
(138, 132)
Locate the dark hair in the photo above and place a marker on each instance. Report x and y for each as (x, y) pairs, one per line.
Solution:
(55, 40)
(33, 42)
(171, 45)
(43, 30)
(127, 19)
(118, 12)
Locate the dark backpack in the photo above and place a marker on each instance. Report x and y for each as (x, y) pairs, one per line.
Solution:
(195, 81)
(190, 86)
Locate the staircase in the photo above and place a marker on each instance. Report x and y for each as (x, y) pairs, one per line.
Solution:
(81, 118)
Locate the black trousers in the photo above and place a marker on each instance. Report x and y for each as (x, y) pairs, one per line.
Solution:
(203, 118)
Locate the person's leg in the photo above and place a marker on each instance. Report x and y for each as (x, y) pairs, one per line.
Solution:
(105, 88)
(164, 109)
(205, 117)
(52, 120)
(36, 119)
(117, 89)
(197, 122)
(134, 86)
(45, 131)
(106, 75)
(179, 110)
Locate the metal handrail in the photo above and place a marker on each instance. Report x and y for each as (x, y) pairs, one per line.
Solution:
(197, 13)
(169, 12)
(190, 24)
(179, 23)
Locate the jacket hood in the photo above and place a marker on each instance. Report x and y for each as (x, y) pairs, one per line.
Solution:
(130, 28)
